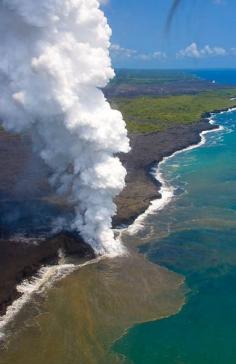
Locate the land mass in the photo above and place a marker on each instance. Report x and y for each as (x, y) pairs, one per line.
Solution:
(157, 126)
(136, 83)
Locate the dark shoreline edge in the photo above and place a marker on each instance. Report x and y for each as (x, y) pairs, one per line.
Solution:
(148, 150)
(22, 260)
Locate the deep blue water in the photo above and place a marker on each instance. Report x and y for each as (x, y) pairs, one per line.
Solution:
(221, 76)
(195, 235)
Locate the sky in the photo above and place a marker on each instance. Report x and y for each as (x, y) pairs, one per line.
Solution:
(202, 34)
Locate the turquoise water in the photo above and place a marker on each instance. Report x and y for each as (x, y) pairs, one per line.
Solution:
(195, 235)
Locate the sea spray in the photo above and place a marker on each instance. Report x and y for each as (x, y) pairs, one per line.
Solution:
(54, 62)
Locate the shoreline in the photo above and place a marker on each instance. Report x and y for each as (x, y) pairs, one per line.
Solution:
(22, 261)
(44, 279)
(35, 271)
(192, 137)
(149, 150)
(167, 191)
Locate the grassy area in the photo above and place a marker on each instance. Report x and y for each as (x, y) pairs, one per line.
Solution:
(148, 77)
(149, 114)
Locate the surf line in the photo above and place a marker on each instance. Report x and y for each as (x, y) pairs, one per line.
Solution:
(47, 276)
(37, 285)
(166, 190)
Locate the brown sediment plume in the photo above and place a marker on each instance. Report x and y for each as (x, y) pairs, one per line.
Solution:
(90, 309)
(21, 260)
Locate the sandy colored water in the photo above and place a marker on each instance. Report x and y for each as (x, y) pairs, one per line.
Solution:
(83, 314)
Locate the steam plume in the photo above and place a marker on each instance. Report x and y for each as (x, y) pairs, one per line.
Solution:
(54, 60)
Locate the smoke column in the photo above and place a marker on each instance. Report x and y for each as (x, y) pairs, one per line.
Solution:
(54, 60)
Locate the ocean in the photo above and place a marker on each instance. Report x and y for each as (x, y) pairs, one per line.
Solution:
(197, 233)
(220, 76)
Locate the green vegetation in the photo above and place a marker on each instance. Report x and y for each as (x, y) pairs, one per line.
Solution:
(149, 77)
(149, 114)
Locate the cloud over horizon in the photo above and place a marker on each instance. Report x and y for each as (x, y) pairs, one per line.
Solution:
(119, 52)
(122, 55)
(194, 51)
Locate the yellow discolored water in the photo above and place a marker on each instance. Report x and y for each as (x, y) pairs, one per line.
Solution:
(83, 314)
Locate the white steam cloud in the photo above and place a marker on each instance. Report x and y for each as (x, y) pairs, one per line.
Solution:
(54, 60)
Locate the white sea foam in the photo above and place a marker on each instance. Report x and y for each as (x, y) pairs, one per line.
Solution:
(167, 193)
(38, 285)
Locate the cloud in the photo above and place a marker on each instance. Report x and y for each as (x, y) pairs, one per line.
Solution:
(155, 55)
(125, 53)
(121, 52)
(193, 51)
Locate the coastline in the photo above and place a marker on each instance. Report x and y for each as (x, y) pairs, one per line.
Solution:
(190, 238)
(22, 260)
(47, 253)
(148, 151)
(166, 190)
(45, 278)
(179, 139)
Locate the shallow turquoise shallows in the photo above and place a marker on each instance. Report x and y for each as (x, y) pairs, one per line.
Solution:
(196, 236)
